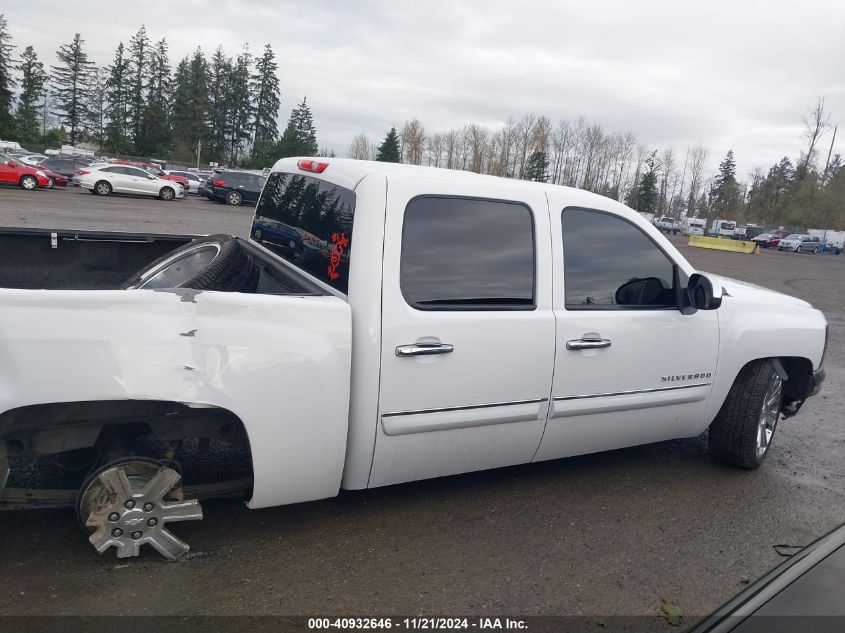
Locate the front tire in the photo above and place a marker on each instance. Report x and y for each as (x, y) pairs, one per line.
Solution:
(234, 198)
(166, 193)
(50, 183)
(743, 429)
(816, 250)
(29, 183)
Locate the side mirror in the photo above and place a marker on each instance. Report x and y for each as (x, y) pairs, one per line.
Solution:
(645, 291)
(703, 293)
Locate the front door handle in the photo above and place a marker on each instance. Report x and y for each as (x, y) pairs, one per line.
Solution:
(587, 343)
(424, 349)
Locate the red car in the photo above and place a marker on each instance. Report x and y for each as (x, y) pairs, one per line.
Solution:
(770, 240)
(13, 172)
(156, 171)
(54, 179)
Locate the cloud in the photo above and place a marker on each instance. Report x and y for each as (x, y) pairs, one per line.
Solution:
(733, 75)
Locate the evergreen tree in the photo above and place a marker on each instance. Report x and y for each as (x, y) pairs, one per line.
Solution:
(155, 125)
(725, 194)
(71, 87)
(388, 151)
(7, 82)
(190, 105)
(220, 71)
(647, 191)
(538, 167)
(33, 80)
(117, 103)
(139, 64)
(265, 87)
(97, 107)
(300, 136)
(240, 105)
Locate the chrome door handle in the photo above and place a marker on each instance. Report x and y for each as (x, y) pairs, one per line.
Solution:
(588, 343)
(424, 349)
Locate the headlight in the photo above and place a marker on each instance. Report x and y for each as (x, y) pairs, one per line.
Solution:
(41, 173)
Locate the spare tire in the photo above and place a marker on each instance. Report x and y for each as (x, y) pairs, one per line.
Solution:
(216, 262)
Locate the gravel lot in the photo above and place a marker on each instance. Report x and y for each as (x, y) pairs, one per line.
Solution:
(604, 534)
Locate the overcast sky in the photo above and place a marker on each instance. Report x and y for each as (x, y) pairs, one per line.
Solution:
(738, 74)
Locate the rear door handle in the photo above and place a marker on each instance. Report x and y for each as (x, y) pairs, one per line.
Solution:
(587, 343)
(424, 349)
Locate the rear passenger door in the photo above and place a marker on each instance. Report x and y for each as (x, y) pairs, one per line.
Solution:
(468, 330)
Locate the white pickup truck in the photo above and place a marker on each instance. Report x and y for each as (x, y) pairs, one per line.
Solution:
(383, 324)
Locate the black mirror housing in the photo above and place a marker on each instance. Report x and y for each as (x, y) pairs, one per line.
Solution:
(702, 294)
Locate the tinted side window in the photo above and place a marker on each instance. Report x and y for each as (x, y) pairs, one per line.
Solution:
(611, 264)
(232, 179)
(467, 254)
(308, 222)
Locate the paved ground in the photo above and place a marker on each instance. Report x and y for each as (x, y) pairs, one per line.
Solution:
(603, 534)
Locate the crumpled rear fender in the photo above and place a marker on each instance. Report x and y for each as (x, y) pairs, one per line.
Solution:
(280, 363)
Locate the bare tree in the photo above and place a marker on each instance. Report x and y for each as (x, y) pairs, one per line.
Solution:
(361, 147)
(697, 163)
(435, 146)
(814, 128)
(475, 137)
(413, 141)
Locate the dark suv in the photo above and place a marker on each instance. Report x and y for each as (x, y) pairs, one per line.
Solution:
(65, 165)
(236, 186)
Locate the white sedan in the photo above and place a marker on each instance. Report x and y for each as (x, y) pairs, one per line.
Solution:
(105, 179)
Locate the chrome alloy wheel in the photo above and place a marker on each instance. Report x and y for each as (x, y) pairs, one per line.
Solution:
(769, 414)
(127, 509)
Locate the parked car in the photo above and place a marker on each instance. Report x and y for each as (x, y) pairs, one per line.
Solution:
(668, 224)
(65, 165)
(127, 179)
(234, 186)
(32, 160)
(192, 180)
(55, 179)
(335, 367)
(747, 232)
(694, 226)
(722, 228)
(156, 171)
(771, 239)
(803, 593)
(13, 172)
(800, 243)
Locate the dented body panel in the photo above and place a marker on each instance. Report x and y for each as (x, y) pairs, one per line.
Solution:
(280, 363)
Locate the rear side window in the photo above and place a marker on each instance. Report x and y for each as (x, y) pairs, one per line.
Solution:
(307, 222)
(610, 264)
(467, 254)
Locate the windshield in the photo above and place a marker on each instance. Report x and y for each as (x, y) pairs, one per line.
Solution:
(728, 225)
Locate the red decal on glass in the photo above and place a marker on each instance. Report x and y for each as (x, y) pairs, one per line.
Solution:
(341, 243)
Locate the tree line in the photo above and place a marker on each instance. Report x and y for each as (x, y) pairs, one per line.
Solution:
(138, 104)
(809, 192)
(229, 105)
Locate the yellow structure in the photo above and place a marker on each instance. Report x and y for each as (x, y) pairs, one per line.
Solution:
(737, 246)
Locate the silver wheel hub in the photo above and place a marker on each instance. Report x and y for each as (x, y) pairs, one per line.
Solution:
(128, 511)
(769, 414)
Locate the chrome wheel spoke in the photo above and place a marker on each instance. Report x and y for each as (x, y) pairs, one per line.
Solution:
(160, 485)
(168, 545)
(115, 478)
(180, 511)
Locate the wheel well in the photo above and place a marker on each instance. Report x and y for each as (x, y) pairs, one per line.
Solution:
(60, 427)
(799, 372)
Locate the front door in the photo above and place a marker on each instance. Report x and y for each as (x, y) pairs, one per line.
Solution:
(630, 368)
(468, 329)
